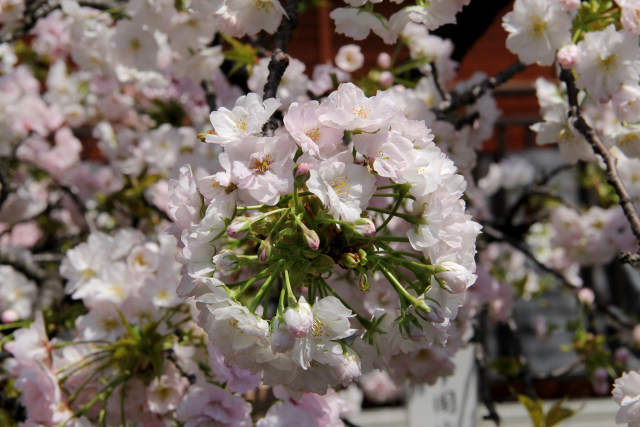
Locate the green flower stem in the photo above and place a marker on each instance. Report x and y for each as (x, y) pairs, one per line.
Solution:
(250, 208)
(296, 199)
(291, 299)
(266, 286)
(16, 325)
(296, 218)
(402, 292)
(90, 378)
(389, 186)
(394, 195)
(396, 52)
(283, 295)
(249, 282)
(392, 239)
(394, 210)
(90, 360)
(405, 82)
(388, 249)
(409, 218)
(430, 269)
(260, 275)
(410, 65)
(70, 343)
(253, 239)
(280, 220)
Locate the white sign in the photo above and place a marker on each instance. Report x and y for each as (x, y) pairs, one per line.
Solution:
(451, 401)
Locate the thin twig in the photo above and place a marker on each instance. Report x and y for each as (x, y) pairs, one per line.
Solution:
(279, 59)
(620, 318)
(436, 81)
(467, 120)
(535, 191)
(482, 369)
(476, 91)
(4, 189)
(613, 178)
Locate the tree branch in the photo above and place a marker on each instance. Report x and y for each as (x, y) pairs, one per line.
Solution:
(476, 91)
(279, 59)
(587, 131)
(620, 318)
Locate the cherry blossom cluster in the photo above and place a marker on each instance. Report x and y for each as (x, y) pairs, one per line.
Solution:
(349, 198)
(137, 354)
(358, 19)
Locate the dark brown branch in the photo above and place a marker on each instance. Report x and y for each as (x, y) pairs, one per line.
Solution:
(617, 316)
(467, 120)
(436, 81)
(476, 91)
(613, 178)
(279, 59)
(4, 189)
(480, 332)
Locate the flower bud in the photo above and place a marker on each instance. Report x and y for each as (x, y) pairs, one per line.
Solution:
(386, 78)
(225, 262)
(435, 315)
(635, 334)
(568, 56)
(586, 296)
(456, 277)
(281, 339)
(311, 238)
(363, 257)
(365, 226)
(264, 251)
(384, 60)
(349, 260)
(10, 316)
(301, 173)
(299, 319)
(237, 229)
(569, 5)
(622, 355)
(601, 381)
(416, 334)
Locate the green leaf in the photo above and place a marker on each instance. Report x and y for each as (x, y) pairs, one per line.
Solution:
(535, 407)
(558, 413)
(244, 55)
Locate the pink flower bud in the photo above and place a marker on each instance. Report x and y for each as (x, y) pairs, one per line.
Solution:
(299, 320)
(635, 334)
(586, 296)
(601, 381)
(282, 340)
(264, 251)
(568, 56)
(456, 277)
(301, 173)
(312, 238)
(386, 78)
(365, 226)
(302, 169)
(622, 355)
(10, 316)
(569, 5)
(235, 229)
(384, 60)
(225, 262)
